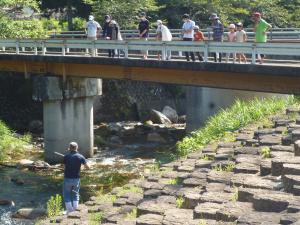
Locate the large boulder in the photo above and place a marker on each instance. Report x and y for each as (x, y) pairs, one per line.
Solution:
(171, 114)
(29, 213)
(159, 118)
(36, 127)
(155, 137)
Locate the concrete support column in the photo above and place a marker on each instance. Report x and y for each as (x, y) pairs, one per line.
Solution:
(203, 103)
(68, 113)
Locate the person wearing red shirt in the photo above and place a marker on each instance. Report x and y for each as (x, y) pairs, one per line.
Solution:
(198, 36)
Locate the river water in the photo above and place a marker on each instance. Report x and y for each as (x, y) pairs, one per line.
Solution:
(35, 192)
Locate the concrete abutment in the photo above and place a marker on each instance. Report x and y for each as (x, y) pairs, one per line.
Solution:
(67, 112)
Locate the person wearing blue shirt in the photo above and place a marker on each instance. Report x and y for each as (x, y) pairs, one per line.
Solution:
(188, 34)
(218, 32)
(72, 161)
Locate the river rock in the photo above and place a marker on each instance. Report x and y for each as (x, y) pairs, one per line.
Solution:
(25, 162)
(207, 210)
(258, 218)
(149, 219)
(155, 137)
(159, 118)
(7, 202)
(269, 202)
(171, 114)
(29, 213)
(36, 127)
(177, 216)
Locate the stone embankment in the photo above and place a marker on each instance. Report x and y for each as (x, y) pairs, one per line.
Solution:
(253, 180)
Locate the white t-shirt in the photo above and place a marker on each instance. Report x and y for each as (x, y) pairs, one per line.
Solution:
(240, 36)
(189, 25)
(92, 27)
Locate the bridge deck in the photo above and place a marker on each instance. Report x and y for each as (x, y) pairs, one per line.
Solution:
(277, 78)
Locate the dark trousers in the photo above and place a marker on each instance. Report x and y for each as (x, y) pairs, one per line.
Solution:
(187, 54)
(220, 57)
(199, 56)
(111, 53)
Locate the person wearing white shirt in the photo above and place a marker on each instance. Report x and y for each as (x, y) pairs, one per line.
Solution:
(188, 34)
(92, 29)
(164, 34)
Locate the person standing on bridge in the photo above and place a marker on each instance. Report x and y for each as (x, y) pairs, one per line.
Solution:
(144, 28)
(241, 36)
(92, 30)
(188, 34)
(261, 27)
(218, 32)
(231, 37)
(72, 161)
(198, 36)
(163, 34)
(113, 34)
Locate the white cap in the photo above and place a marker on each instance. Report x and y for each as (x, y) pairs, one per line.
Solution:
(232, 26)
(73, 145)
(159, 22)
(196, 27)
(91, 17)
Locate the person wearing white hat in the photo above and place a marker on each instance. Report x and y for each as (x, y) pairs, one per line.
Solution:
(218, 32)
(163, 34)
(92, 29)
(72, 161)
(231, 37)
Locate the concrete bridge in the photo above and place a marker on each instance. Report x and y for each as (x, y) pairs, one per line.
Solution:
(68, 79)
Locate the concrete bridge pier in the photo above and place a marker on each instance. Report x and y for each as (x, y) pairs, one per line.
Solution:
(203, 103)
(67, 112)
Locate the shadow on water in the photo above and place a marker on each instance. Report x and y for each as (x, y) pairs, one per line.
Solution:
(26, 189)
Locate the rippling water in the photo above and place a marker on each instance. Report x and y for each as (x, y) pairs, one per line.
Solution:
(34, 193)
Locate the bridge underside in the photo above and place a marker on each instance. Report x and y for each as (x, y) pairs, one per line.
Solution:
(265, 78)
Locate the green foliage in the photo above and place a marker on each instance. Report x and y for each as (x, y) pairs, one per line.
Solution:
(79, 23)
(207, 158)
(174, 181)
(54, 206)
(125, 12)
(12, 147)
(239, 115)
(265, 153)
(132, 214)
(95, 218)
(235, 195)
(179, 202)
(228, 168)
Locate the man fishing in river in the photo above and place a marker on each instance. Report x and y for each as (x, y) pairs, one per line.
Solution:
(73, 161)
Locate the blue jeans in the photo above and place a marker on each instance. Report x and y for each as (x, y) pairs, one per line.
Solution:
(71, 189)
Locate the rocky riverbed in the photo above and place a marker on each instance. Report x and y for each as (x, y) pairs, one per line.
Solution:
(123, 151)
(252, 180)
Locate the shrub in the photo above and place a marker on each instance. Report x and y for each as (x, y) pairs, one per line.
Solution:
(229, 120)
(265, 153)
(11, 146)
(54, 206)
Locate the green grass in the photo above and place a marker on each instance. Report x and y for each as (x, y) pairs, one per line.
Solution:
(239, 115)
(265, 153)
(11, 146)
(131, 215)
(54, 206)
(179, 202)
(228, 168)
(95, 218)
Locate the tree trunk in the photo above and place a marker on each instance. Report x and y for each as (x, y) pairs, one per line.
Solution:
(70, 15)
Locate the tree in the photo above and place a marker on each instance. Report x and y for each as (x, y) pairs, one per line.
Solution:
(125, 12)
(68, 9)
(17, 19)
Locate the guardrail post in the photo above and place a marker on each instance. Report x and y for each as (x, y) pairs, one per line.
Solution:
(126, 51)
(93, 49)
(163, 52)
(17, 47)
(253, 53)
(43, 48)
(63, 49)
(206, 52)
(35, 48)
(3, 49)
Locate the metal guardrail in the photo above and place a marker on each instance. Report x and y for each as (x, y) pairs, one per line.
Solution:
(274, 34)
(79, 47)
